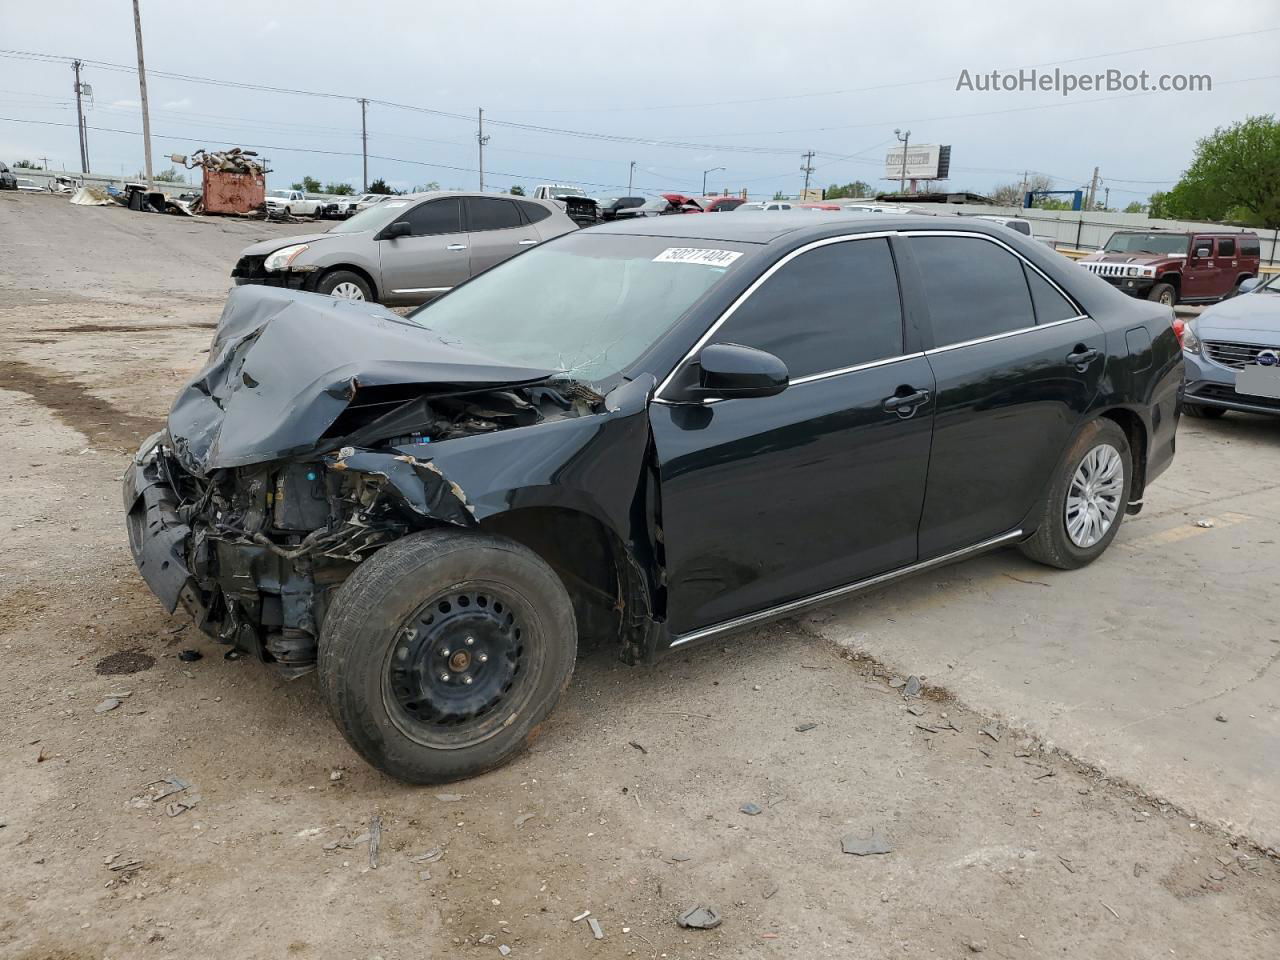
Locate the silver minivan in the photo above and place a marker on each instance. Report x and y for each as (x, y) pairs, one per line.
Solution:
(407, 249)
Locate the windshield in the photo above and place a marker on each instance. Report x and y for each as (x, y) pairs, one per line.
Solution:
(373, 217)
(282, 194)
(589, 305)
(567, 192)
(1166, 243)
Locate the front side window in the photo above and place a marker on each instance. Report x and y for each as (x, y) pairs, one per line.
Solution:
(832, 307)
(435, 217)
(974, 288)
(589, 304)
(491, 213)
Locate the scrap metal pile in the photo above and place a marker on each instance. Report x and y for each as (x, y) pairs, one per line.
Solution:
(235, 180)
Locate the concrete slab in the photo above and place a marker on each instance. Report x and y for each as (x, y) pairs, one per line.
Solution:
(1127, 663)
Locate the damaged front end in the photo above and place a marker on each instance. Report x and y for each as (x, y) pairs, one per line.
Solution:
(282, 470)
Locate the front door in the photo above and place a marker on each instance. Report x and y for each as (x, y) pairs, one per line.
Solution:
(1200, 280)
(495, 231)
(1016, 366)
(434, 258)
(770, 499)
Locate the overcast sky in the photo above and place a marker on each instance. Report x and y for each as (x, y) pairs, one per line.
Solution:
(829, 76)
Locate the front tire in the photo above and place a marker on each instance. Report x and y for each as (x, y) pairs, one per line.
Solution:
(1164, 294)
(1086, 500)
(443, 653)
(345, 285)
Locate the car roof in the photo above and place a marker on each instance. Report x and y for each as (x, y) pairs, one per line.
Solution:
(767, 226)
(471, 193)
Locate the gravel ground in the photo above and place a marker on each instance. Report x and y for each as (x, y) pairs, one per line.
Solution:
(628, 806)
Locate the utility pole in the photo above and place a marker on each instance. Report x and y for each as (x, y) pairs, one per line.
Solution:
(713, 170)
(84, 146)
(481, 139)
(44, 161)
(806, 170)
(631, 172)
(1106, 198)
(1093, 189)
(142, 87)
(364, 142)
(905, 140)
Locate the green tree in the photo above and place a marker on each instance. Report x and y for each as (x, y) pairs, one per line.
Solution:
(338, 189)
(1158, 205)
(169, 176)
(308, 185)
(517, 191)
(1135, 206)
(428, 187)
(777, 195)
(1234, 174)
(26, 165)
(380, 186)
(855, 189)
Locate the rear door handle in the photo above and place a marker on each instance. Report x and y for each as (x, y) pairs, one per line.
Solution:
(1082, 356)
(456, 246)
(904, 402)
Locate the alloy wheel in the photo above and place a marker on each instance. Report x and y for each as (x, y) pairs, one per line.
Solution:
(1093, 499)
(347, 291)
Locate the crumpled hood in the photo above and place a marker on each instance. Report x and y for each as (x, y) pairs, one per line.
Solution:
(284, 365)
(264, 247)
(1250, 318)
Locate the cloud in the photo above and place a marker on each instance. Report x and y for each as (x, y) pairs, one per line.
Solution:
(182, 104)
(130, 104)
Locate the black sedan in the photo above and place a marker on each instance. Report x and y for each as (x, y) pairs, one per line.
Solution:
(651, 433)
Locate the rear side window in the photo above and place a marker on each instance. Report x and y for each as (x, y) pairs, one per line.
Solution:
(1049, 303)
(435, 217)
(836, 306)
(533, 212)
(1227, 247)
(1249, 247)
(974, 288)
(491, 213)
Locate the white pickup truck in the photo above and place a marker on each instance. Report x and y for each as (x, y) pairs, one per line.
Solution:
(293, 203)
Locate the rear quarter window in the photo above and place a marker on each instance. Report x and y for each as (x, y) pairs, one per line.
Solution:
(974, 288)
(533, 212)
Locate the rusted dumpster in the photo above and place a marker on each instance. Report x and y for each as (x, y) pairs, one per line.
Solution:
(233, 192)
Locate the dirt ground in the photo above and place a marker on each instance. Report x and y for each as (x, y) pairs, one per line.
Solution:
(629, 804)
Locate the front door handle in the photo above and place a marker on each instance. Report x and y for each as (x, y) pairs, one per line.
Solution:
(1082, 356)
(456, 246)
(527, 243)
(905, 403)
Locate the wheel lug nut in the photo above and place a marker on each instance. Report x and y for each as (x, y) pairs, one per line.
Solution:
(469, 641)
(445, 652)
(483, 658)
(444, 677)
(467, 681)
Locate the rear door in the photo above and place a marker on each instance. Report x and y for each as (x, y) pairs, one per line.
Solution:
(1016, 365)
(496, 230)
(770, 499)
(434, 258)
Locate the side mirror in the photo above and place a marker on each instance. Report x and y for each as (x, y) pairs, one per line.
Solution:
(1202, 252)
(400, 228)
(1250, 283)
(731, 370)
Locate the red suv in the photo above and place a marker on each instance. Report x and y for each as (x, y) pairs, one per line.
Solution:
(719, 204)
(1174, 268)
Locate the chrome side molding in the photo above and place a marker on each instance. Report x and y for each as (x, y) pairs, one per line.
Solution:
(793, 606)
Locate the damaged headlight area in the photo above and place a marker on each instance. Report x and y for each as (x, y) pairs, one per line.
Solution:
(283, 258)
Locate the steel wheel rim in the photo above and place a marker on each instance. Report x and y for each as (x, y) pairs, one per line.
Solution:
(1166, 299)
(447, 693)
(1093, 498)
(346, 290)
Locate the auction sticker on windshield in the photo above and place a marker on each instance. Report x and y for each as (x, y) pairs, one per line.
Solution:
(710, 258)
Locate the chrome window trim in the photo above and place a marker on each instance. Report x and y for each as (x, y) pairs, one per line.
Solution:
(756, 284)
(1001, 336)
(855, 368)
(792, 606)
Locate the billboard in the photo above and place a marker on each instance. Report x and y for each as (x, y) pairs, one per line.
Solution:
(925, 161)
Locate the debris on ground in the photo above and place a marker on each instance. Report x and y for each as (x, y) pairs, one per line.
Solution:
(699, 918)
(680, 858)
(638, 746)
(865, 846)
(897, 682)
(976, 946)
(917, 711)
(523, 819)
(189, 656)
(107, 705)
(118, 865)
(912, 687)
(181, 805)
(375, 840)
(1206, 523)
(504, 949)
(751, 809)
(449, 797)
(1221, 718)
(431, 856)
(582, 916)
(167, 787)
(335, 775)
(806, 727)
(596, 930)
(992, 730)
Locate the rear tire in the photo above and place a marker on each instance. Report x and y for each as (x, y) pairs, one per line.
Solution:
(1084, 481)
(444, 652)
(345, 285)
(1206, 413)
(1164, 293)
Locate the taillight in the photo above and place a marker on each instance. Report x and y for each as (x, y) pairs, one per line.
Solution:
(1179, 328)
